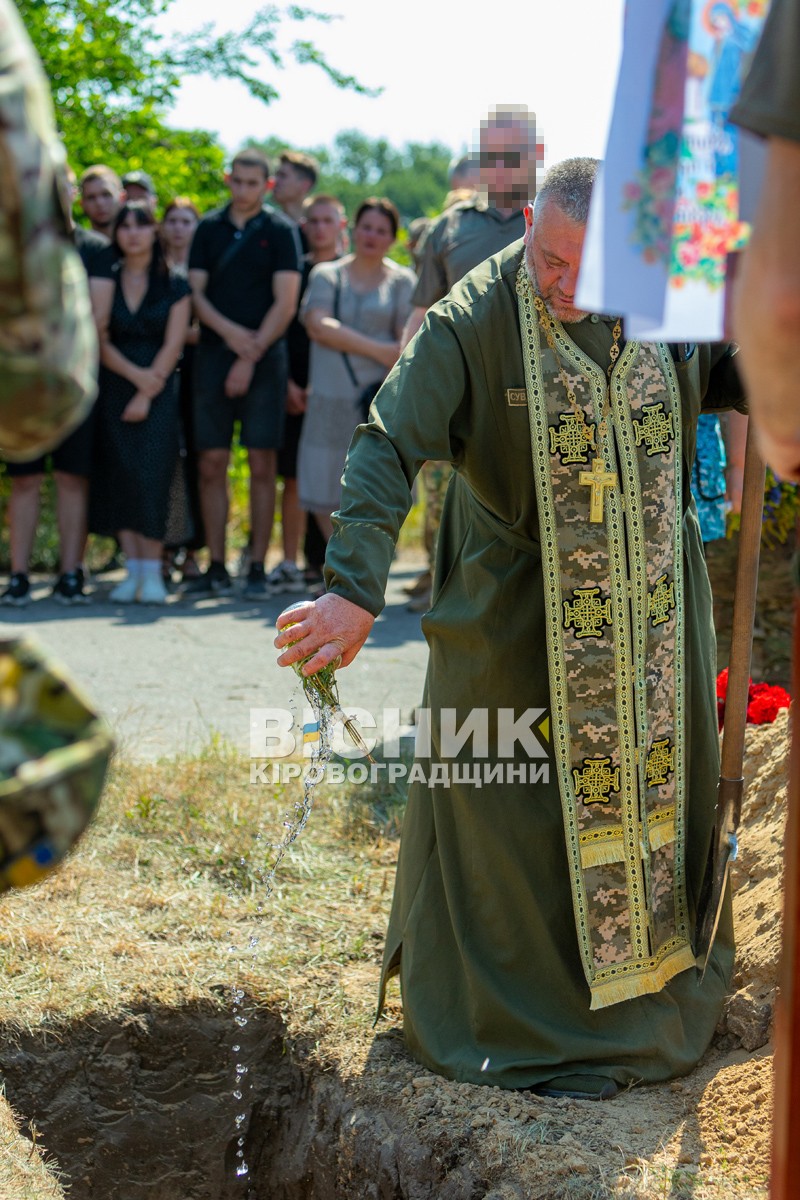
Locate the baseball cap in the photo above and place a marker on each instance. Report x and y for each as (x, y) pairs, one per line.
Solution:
(141, 178)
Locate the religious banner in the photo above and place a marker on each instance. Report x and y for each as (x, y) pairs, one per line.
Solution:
(668, 215)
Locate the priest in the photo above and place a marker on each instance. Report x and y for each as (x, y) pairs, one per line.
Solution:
(550, 865)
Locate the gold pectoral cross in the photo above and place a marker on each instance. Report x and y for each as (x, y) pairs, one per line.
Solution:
(597, 479)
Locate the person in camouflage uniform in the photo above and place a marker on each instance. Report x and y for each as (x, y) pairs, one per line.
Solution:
(558, 823)
(48, 350)
(473, 225)
(54, 749)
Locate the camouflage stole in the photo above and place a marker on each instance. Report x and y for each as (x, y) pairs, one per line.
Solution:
(614, 608)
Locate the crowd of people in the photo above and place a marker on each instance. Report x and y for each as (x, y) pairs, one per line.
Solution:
(256, 320)
(271, 316)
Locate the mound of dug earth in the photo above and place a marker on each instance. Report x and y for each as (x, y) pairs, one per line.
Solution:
(124, 1058)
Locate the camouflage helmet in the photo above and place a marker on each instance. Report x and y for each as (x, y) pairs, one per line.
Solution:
(54, 752)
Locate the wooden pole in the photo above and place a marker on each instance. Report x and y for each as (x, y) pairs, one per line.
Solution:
(731, 783)
(744, 611)
(785, 1173)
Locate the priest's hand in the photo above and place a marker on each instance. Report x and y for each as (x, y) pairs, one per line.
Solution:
(329, 628)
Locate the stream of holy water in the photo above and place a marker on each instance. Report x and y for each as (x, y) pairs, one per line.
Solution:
(293, 823)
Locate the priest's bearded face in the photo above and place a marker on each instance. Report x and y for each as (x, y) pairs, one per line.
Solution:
(553, 247)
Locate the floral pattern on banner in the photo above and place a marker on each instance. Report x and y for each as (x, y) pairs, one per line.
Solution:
(700, 247)
(685, 199)
(764, 701)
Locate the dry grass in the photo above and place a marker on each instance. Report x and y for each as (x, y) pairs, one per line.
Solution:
(165, 905)
(165, 900)
(24, 1172)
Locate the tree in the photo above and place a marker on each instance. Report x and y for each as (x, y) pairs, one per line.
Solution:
(356, 166)
(114, 77)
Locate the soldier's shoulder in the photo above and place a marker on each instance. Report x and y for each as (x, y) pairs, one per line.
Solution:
(487, 290)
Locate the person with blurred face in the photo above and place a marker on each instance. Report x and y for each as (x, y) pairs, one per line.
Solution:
(488, 221)
(354, 311)
(244, 268)
(101, 197)
(467, 232)
(562, 801)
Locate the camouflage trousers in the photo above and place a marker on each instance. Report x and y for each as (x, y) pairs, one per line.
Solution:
(435, 479)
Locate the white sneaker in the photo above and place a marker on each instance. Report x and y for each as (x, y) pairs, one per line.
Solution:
(152, 590)
(126, 591)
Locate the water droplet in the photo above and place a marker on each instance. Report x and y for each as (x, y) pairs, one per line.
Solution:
(270, 855)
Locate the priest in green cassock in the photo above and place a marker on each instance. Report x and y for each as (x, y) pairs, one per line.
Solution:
(549, 871)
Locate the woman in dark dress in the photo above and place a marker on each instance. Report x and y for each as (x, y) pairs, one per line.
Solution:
(142, 317)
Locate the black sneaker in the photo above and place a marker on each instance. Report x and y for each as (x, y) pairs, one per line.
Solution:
(18, 591)
(214, 582)
(115, 563)
(69, 588)
(256, 586)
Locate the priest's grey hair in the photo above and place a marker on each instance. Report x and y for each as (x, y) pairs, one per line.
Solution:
(568, 185)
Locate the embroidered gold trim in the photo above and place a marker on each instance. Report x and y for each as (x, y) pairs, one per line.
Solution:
(661, 828)
(573, 438)
(661, 601)
(655, 428)
(602, 847)
(642, 978)
(679, 869)
(587, 613)
(537, 409)
(640, 626)
(660, 762)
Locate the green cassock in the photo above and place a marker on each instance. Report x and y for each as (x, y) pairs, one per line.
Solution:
(542, 920)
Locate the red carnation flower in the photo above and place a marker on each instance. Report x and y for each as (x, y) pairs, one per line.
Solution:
(764, 700)
(722, 685)
(762, 710)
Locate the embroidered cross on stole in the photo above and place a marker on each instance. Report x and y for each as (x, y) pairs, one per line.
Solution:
(613, 597)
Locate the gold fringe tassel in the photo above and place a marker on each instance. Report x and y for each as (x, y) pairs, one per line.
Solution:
(651, 978)
(602, 848)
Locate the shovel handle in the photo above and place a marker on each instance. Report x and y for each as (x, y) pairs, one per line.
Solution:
(744, 610)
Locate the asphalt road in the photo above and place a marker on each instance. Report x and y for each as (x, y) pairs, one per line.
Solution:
(169, 679)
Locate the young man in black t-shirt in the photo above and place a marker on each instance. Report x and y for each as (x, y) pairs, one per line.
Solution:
(244, 268)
